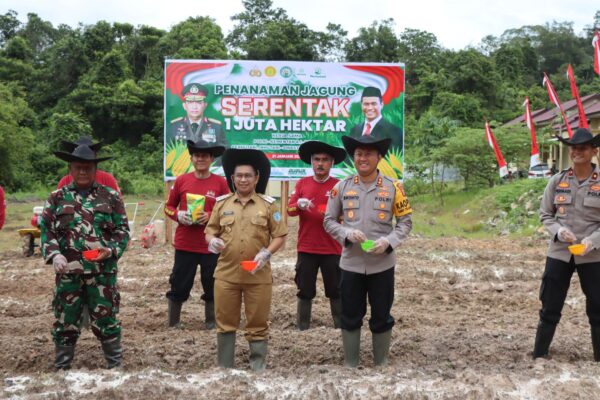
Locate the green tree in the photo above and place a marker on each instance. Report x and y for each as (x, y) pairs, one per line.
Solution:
(194, 38)
(262, 32)
(377, 43)
(9, 26)
(16, 138)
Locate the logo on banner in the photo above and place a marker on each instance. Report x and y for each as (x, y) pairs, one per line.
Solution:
(255, 72)
(318, 73)
(285, 72)
(270, 71)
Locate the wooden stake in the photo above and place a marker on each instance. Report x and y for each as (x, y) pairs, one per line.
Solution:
(285, 187)
(168, 221)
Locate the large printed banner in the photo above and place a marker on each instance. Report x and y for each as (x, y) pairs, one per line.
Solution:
(275, 106)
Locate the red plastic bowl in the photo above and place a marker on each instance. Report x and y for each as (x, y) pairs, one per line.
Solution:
(91, 254)
(248, 265)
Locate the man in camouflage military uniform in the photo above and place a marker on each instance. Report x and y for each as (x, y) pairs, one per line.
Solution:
(83, 216)
(373, 207)
(244, 225)
(195, 126)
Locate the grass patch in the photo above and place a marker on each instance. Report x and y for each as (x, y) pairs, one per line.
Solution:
(506, 209)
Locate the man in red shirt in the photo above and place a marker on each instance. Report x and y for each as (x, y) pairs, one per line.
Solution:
(2, 207)
(102, 177)
(316, 248)
(190, 244)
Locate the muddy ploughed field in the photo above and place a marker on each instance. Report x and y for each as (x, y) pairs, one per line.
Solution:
(466, 312)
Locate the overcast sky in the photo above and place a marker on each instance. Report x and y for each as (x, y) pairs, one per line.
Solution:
(456, 24)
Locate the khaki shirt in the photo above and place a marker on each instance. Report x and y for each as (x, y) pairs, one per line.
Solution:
(576, 206)
(245, 229)
(371, 210)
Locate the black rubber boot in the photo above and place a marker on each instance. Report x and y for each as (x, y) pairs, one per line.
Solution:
(174, 313)
(543, 338)
(336, 312)
(596, 342)
(225, 349)
(303, 314)
(258, 355)
(64, 356)
(113, 353)
(381, 347)
(351, 342)
(209, 315)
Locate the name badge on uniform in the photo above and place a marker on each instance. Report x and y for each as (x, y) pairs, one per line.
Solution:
(227, 213)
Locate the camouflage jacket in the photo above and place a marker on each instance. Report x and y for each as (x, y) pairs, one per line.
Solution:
(72, 223)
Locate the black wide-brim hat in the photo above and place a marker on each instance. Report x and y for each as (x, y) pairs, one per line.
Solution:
(86, 140)
(307, 149)
(581, 136)
(81, 153)
(213, 148)
(256, 158)
(382, 145)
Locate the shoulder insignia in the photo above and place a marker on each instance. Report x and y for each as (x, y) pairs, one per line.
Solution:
(214, 121)
(176, 119)
(266, 198)
(225, 196)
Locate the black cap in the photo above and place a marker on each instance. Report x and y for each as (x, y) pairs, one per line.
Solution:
(581, 136)
(371, 91)
(382, 145)
(206, 147)
(256, 158)
(82, 153)
(307, 149)
(86, 140)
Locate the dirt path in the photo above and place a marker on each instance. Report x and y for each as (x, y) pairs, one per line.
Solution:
(466, 312)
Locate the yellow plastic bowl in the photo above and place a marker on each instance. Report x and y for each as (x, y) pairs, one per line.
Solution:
(577, 249)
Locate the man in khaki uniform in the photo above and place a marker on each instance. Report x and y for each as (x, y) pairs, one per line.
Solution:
(373, 207)
(244, 226)
(570, 211)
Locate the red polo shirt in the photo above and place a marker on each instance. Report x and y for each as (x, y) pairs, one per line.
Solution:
(312, 237)
(191, 237)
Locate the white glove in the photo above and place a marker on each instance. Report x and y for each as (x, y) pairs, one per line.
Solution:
(356, 236)
(589, 246)
(304, 204)
(261, 259)
(380, 246)
(59, 262)
(216, 245)
(184, 217)
(565, 235)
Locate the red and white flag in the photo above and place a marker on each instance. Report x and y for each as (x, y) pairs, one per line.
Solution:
(554, 99)
(535, 151)
(596, 44)
(503, 170)
(575, 92)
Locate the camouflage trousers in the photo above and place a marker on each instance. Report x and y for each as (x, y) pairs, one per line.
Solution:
(99, 292)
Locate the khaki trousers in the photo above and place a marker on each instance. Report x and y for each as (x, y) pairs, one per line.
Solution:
(257, 307)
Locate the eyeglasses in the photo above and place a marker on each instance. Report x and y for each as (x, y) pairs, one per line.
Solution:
(240, 177)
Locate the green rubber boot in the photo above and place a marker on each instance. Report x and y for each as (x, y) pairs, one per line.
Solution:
(381, 347)
(351, 342)
(225, 349)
